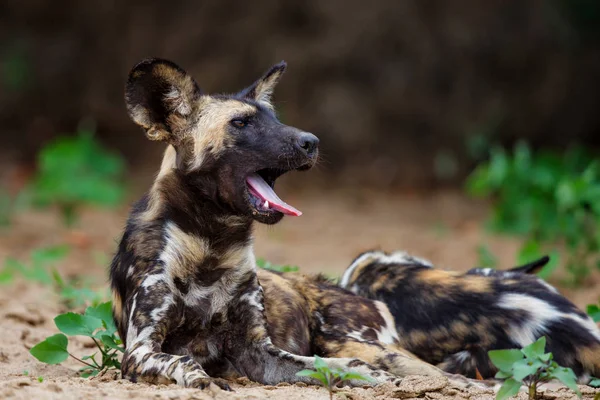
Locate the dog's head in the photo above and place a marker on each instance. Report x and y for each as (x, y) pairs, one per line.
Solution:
(235, 140)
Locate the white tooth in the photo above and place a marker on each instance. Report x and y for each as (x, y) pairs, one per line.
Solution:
(266, 205)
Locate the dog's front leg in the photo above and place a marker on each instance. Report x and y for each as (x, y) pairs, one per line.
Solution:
(153, 312)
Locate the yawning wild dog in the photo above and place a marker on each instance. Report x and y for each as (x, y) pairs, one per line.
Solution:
(186, 297)
(453, 319)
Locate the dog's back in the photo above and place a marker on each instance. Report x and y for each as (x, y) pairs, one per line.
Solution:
(453, 319)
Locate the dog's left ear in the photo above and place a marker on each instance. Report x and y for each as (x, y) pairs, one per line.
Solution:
(262, 90)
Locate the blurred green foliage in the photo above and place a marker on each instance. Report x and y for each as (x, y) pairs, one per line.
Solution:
(74, 171)
(41, 268)
(547, 197)
(37, 269)
(264, 264)
(486, 258)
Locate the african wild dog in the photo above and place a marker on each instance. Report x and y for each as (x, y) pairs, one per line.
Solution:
(186, 297)
(452, 319)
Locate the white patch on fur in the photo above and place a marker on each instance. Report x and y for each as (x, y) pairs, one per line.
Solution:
(152, 280)
(240, 261)
(358, 335)
(182, 252)
(178, 102)
(253, 299)
(379, 257)
(587, 323)
(548, 286)
(388, 333)
(132, 331)
(462, 356)
(540, 315)
(482, 271)
(135, 336)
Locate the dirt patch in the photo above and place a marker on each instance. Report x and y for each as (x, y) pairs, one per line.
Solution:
(444, 227)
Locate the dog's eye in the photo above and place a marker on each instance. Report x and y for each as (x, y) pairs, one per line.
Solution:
(239, 123)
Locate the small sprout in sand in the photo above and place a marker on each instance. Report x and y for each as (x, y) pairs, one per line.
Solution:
(40, 379)
(330, 378)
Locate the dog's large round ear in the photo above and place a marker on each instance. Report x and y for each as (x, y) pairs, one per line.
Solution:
(160, 96)
(262, 90)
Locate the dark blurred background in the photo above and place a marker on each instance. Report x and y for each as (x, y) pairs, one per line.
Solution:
(401, 93)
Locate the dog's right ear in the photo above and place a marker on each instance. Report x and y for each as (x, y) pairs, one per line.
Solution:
(160, 97)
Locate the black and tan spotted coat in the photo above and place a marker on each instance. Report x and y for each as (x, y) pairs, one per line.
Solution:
(453, 319)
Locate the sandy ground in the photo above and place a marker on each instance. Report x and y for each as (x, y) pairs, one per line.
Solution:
(444, 227)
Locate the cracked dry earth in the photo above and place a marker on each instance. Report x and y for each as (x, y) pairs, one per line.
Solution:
(347, 223)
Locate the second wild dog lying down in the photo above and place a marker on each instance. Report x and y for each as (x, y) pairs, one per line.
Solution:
(186, 296)
(452, 319)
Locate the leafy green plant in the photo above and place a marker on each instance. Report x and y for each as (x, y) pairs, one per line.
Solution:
(96, 323)
(264, 264)
(74, 171)
(330, 378)
(529, 366)
(549, 199)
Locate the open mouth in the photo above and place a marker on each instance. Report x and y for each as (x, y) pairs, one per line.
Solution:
(263, 198)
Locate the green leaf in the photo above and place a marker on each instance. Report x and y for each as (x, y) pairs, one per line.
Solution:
(594, 383)
(594, 312)
(525, 368)
(53, 350)
(502, 375)
(104, 313)
(509, 388)
(320, 363)
(535, 349)
(504, 359)
(110, 342)
(90, 357)
(313, 374)
(568, 378)
(346, 376)
(76, 324)
(88, 371)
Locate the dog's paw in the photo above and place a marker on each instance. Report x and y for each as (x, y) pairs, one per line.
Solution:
(203, 383)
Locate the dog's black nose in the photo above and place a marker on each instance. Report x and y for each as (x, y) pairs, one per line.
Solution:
(308, 142)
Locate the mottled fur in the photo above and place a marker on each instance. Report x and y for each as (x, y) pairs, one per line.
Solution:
(453, 319)
(187, 299)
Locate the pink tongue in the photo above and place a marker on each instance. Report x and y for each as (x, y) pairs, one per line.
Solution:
(263, 191)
